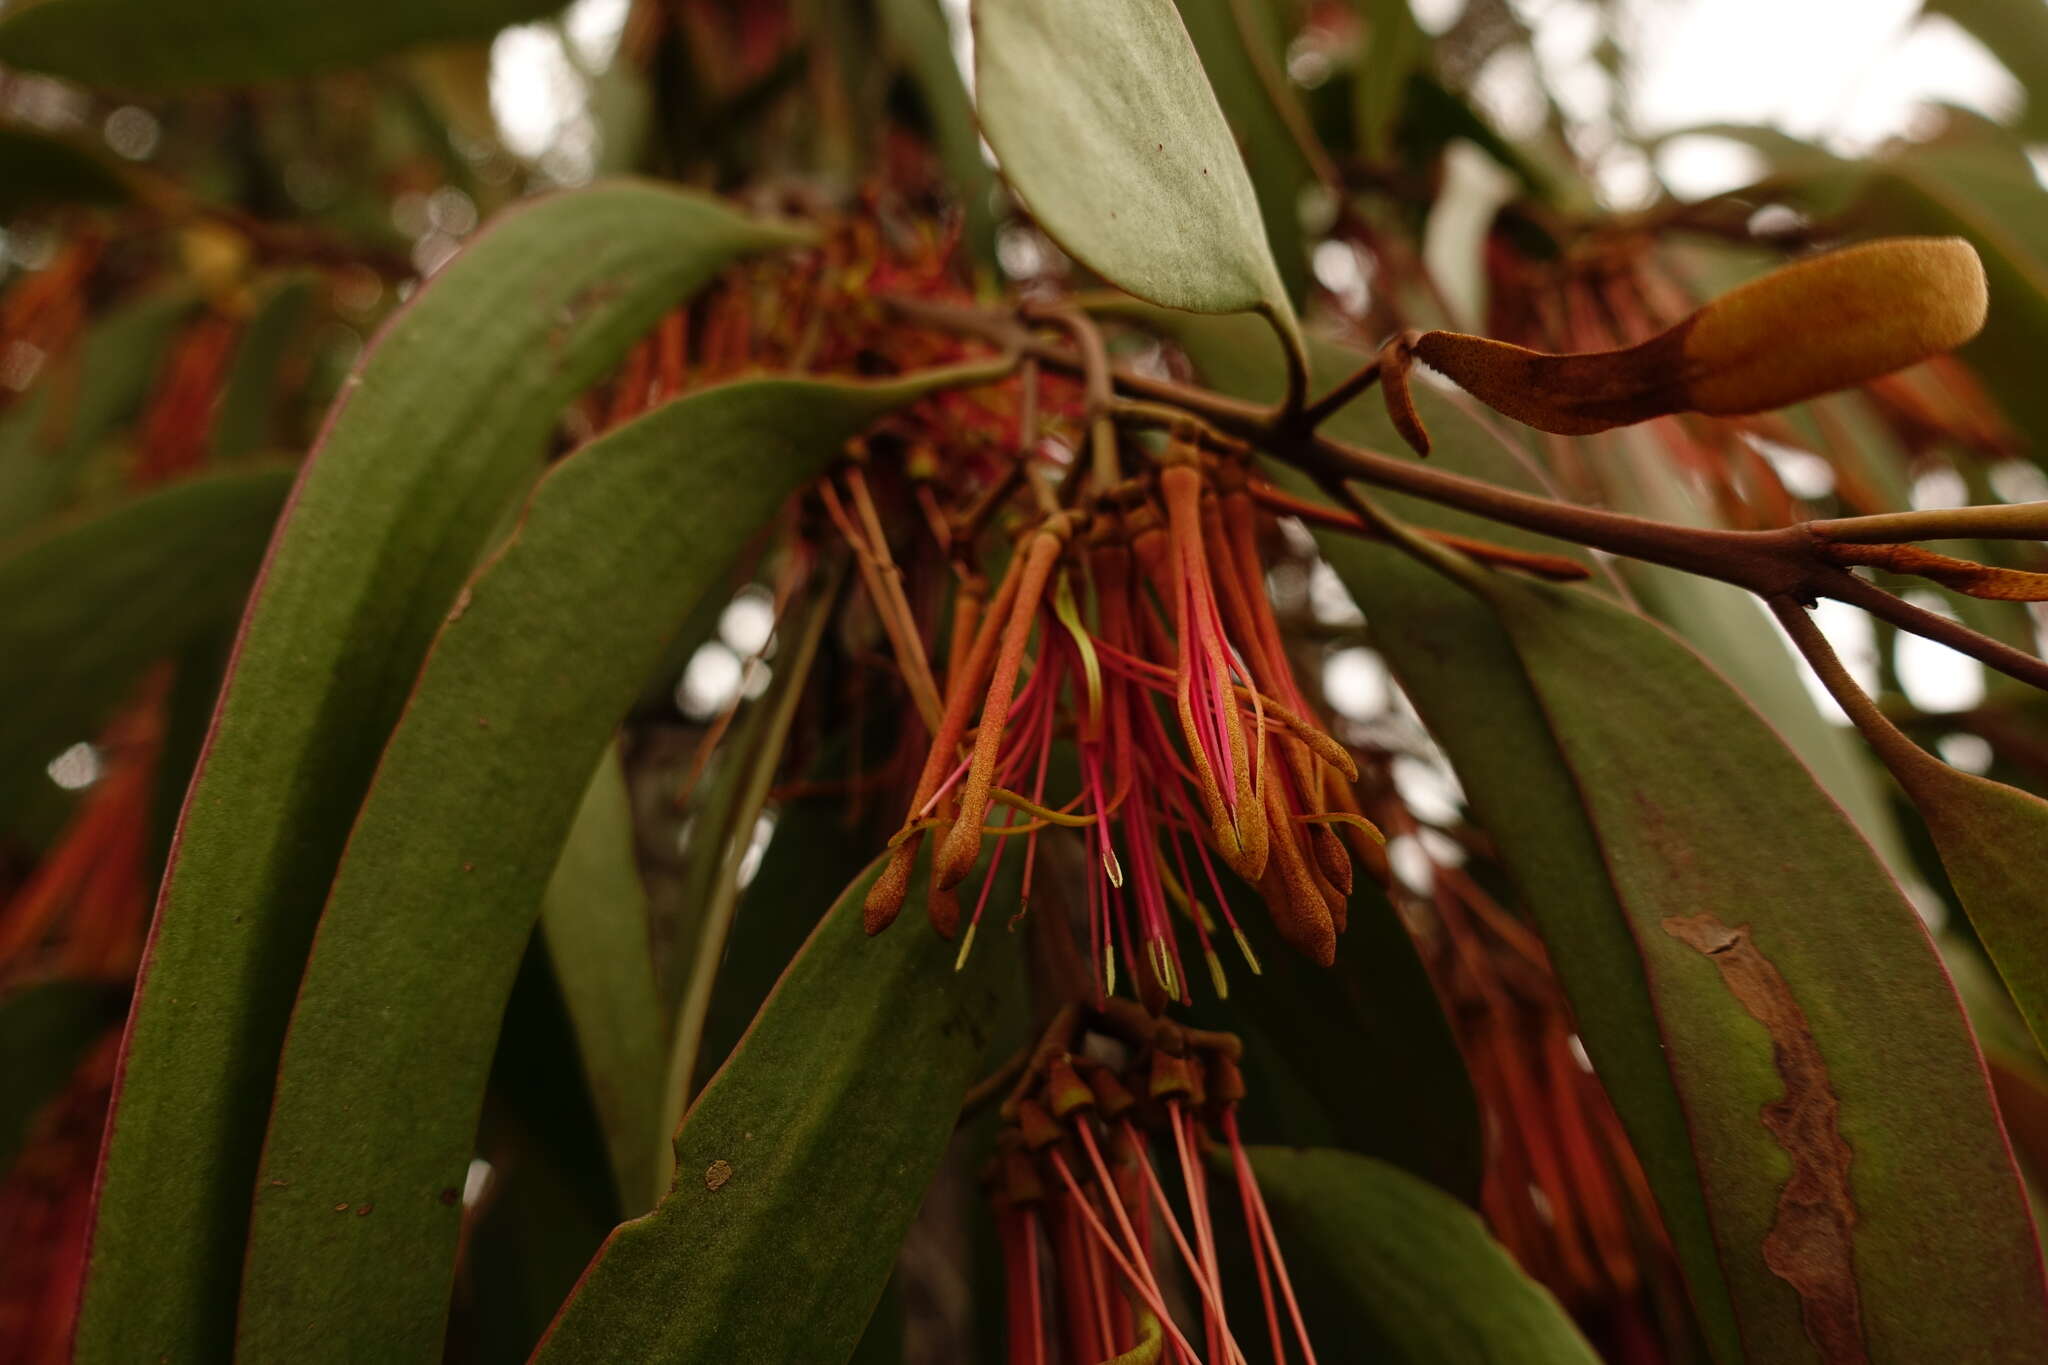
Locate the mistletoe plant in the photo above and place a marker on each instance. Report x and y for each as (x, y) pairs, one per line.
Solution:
(486, 1011)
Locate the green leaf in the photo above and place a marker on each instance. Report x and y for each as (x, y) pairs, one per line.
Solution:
(917, 30)
(176, 44)
(1992, 839)
(45, 1031)
(446, 864)
(38, 169)
(1730, 629)
(1104, 124)
(92, 604)
(1244, 52)
(2016, 33)
(593, 918)
(813, 851)
(1411, 1271)
(726, 831)
(440, 425)
(801, 1164)
(1840, 1115)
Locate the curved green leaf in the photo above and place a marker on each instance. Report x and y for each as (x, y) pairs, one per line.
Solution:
(1993, 841)
(90, 605)
(1410, 1270)
(1840, 1115)
(439, 426)
(1729, 629)
(802, 1163)
(593, 917)
(727, 831)
(812, 851)
(173, 44)
(436, 895)
(1104, 124)
(37, 169)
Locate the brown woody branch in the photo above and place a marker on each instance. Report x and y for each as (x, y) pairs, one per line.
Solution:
(1786, 563)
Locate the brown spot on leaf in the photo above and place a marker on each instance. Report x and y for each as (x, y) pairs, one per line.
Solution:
(716, 1174)
(1809, 1245)
(450, 1195)
(362, 1209)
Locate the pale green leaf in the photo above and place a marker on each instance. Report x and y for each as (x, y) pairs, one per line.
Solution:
(1104, 123)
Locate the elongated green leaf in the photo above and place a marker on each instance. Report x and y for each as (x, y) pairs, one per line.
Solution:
(802, 1162)
(1413, 1272)
(439, 426)
(1104, 124)
(1727, 626)
(37, 169)
(1840, 1114)
(1993, 841)
(594, 919)
(812, 852)
(172, 44)
(445, 866)
(707, 922)
(91, 605)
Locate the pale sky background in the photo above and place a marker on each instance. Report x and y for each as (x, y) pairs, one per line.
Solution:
(1848, 74)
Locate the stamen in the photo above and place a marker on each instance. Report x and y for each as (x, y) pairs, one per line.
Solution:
(1108, 1245)
(1262, 1223)
(956, 855)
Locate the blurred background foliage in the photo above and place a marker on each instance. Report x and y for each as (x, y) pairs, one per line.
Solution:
(207, 208)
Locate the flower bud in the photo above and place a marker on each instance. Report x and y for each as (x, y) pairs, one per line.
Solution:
(1815, 326)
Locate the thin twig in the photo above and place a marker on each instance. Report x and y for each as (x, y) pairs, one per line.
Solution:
(1773, 563)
